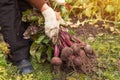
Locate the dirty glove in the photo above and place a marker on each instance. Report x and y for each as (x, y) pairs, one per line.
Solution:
(60, 2)
(51, 23)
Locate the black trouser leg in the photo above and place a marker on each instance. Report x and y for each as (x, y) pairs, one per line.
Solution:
(12, 30)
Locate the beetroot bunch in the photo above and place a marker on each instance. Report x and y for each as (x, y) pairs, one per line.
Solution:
(72, 53)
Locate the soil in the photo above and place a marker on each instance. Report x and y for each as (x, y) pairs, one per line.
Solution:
(88, 30)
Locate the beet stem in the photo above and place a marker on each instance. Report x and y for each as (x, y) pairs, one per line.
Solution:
(76, 39)
(66, 38)
(63, 41)
(56, 51)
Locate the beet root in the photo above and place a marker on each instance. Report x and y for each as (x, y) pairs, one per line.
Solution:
(66, 52)
(76, 48)
(70, 60)
(80, 65)
(82, 55)
(71, 57)
(77, 61)
(57, 69)
(56, 62)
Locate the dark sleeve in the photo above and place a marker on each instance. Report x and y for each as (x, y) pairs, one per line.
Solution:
(37, 3)
(24, 5)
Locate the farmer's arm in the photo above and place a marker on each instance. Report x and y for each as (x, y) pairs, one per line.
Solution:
(39, 4)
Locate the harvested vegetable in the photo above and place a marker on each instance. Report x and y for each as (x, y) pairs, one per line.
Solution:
(72, 53)
(56, 62)
(66, 52)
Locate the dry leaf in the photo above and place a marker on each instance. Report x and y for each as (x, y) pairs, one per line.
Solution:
(96, 25)
(69, 22)
(112, 29)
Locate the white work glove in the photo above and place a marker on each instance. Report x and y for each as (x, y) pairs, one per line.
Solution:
(51, 23)
(60, 2)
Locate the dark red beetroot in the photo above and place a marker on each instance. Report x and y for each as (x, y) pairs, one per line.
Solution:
(56, 62)
(70, 60)
(77, 61)
(71, 57)
(82, 54)
(66, 52)
(80, 64)
(87, 63)
(76, 48)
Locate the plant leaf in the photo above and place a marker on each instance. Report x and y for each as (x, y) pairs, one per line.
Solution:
(109, 8)
(40, 39)
(49, 53)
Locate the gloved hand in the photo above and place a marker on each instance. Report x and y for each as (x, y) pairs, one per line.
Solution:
(51, 23)
(60, 2)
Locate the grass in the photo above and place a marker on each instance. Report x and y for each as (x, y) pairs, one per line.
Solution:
(107, 48)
